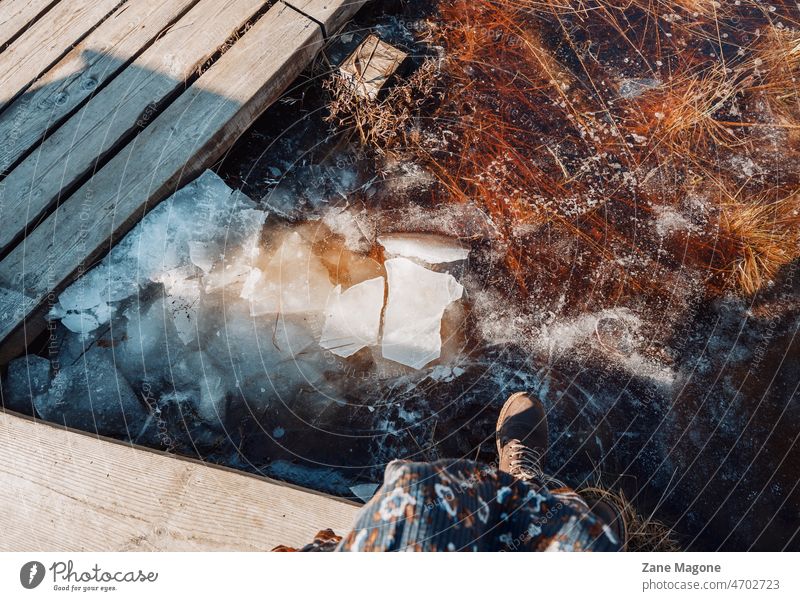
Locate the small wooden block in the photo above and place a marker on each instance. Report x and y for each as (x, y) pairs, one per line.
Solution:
(371, 65)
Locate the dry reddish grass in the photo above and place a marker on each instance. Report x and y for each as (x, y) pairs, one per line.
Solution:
(534, 127)
(540, 81)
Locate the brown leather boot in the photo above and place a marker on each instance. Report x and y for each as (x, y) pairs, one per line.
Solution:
(522, 437)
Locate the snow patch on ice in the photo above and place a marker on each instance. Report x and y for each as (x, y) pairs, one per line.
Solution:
(668, 221)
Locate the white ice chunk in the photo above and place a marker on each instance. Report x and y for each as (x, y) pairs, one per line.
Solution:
(182, 300)
(80, 296)
(417, 300)
(249, 288)
(103, 313)
(230, 275)
(443, 373)
(294, 281)
(353, 318)
(429, 248)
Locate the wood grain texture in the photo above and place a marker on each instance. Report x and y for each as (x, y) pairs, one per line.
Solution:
(15, 15)
(96, 129)
(193, 132)
(331, 14)
(85, 68)
(46, 41)
(64, 491)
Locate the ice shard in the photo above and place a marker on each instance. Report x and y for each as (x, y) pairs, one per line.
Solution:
(428, 248)
(413, 318)
(353, 318)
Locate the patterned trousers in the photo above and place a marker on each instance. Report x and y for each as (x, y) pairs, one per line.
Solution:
(466, 506)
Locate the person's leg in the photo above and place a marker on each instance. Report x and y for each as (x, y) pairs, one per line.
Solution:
(462, 505)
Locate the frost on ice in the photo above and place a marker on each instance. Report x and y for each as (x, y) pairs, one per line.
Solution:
(353, 318)
(417, 300)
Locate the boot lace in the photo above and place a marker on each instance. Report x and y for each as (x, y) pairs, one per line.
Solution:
(525, 463)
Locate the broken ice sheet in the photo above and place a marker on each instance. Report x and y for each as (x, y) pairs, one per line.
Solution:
(353, 318)
(204, 254)
(196, 225)
(413, 319)
(197, 372)
(429, 248)
(28, 377)
(294, 281)
(93, 396)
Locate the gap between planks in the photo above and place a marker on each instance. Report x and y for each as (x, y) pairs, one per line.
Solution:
(82, 72)
(110, 116)
(17, 15)
(46, 41)
(329, 14)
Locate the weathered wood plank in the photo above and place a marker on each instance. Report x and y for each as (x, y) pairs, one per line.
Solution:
(15, 15)
(47, 40)
(89, 65)
(186, 138)
(72, 150)
(331, 14)
(64, 491)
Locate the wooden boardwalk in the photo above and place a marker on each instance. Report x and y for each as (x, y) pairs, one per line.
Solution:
(106, 108)
(63, 491)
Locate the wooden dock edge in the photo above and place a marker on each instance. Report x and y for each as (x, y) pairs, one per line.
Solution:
(62, 490)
